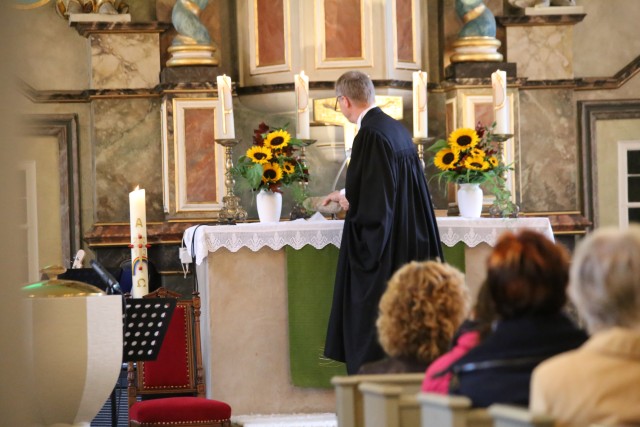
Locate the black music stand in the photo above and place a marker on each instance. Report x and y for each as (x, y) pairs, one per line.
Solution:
(145, 324)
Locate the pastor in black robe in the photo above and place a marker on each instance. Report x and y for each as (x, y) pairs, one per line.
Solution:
(390, 222)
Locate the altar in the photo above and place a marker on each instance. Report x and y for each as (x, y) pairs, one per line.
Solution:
(248, 275)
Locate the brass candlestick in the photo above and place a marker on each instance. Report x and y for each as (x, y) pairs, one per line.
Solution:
(501, 137)
(502, 206)
(231, 211)
(420, 142)
(299, 211)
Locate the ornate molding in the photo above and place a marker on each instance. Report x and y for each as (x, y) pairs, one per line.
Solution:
(87, 29)
(539, 20)
(60, 96)
(589, 112)
(64, 127)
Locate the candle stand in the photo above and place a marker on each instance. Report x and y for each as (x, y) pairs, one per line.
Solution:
(298, 210)
(501, 137)
(231, 211)
(502, 206)
(420, 142)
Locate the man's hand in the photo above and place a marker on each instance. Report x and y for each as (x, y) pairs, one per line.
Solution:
(338, 197)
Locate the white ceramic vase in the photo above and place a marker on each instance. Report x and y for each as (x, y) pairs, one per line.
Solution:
(470, 200)
(269, 206)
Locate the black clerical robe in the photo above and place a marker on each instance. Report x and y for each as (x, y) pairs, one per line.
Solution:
(390, 222)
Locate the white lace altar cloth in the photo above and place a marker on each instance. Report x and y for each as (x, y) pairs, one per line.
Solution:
(321, 233)
(473, 231)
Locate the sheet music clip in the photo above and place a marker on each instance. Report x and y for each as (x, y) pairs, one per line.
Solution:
(146, 321)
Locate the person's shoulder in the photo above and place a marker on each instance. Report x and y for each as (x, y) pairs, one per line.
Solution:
(560, 364)
(553, 375)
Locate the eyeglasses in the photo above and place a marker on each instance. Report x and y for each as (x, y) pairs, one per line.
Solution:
(335, 107)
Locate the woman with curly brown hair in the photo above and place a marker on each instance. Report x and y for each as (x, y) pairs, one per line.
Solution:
(423, 306)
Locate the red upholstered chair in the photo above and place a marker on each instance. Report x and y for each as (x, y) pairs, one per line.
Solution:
(176, 377)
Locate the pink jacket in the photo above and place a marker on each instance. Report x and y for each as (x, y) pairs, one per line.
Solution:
(440, 384)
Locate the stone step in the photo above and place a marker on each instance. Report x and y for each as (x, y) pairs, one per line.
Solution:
(285, 420)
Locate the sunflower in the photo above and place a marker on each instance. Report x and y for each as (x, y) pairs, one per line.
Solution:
(271, 172)
(288, 167)
(277, 139)
(477, 152)
(463, 139)
(446, 159)
(476, 163)
(259, 154)
(493, 161)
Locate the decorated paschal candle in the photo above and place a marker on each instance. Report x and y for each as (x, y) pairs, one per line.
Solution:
(139, 261)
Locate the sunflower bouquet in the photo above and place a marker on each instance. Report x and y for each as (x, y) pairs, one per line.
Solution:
(468, 156)
(272, 161)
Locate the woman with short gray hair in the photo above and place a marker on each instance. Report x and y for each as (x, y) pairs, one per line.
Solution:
(598, 383)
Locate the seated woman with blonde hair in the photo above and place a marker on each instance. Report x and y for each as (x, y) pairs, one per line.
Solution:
(599, 383)
(423, 306)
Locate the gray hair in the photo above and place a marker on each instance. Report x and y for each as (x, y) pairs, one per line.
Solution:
(605, 278)
(356, 86)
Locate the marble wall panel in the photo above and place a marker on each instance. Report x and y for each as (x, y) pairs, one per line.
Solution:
(270, 24)
(142, 11)
(607, 39)
(343, 29)
(125, 61)
(127, 153)
(548, 152)
(200, 153)
(542, 53)
(52, 56)
(404, 28)
(437, 122)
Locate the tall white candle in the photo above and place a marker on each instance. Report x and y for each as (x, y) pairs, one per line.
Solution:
(224, 123)
(302, 105)
(420, 118)
(500, 102)
(139, 261)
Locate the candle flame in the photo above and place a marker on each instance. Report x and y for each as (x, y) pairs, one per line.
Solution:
(137, 188)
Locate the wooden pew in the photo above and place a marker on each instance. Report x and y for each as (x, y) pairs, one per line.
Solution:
(517, 416)
(349, 398)
(439, 410)
(390, 405)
